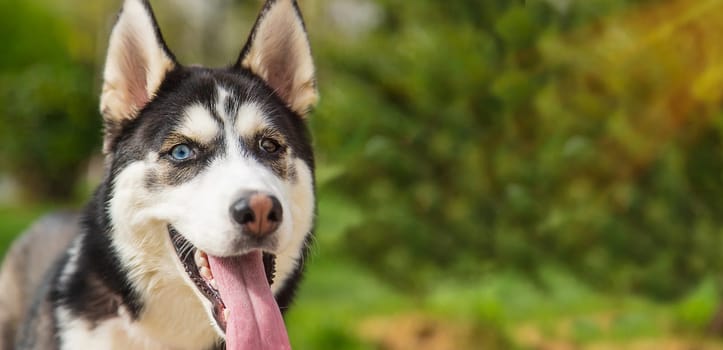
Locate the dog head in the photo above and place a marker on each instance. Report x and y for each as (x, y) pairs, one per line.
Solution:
(206, 163)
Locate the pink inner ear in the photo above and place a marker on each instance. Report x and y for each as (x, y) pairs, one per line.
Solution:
(134, 67)
(280, 77)
(279, 53)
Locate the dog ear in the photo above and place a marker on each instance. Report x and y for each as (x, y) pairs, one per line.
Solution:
(136, 64)
(278, 51)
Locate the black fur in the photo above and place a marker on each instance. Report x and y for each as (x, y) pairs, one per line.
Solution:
(99, 286)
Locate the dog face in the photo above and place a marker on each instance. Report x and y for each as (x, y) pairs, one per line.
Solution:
(206, 162)
(191, 157)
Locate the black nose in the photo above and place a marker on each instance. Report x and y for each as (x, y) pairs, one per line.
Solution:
(258, 213)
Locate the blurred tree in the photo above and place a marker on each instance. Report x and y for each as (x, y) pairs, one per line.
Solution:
(476, 136)
(47, 102)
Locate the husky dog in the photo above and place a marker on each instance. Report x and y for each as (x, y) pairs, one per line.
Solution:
(197, 236)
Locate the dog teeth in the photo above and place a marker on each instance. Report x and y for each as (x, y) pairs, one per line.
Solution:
(201, 259)
(204, 269)
(205, 273)
(226, 314)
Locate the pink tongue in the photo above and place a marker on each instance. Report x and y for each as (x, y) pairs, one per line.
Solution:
(255, 320)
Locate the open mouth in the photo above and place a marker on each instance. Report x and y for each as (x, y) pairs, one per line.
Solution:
(196, 264)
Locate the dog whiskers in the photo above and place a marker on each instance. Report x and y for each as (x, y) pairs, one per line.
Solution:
(186, 250)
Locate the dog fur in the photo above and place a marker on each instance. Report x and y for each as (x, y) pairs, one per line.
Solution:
(111, 277)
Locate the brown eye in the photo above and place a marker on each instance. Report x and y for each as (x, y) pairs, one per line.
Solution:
(269, 145)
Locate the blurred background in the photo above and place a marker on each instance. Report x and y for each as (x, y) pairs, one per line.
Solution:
(497, 174)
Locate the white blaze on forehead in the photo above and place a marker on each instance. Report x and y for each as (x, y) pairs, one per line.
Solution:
(250, 119)
(199, 125)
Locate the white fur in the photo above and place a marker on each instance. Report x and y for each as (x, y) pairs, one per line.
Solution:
(199, 210)
(249, 119)
(302, 207)
(144, 247)
(199, 125)
(115, 333)
(72, 264)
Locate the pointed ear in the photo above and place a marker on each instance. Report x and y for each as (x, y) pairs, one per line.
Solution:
(278, 51)
(136, 64)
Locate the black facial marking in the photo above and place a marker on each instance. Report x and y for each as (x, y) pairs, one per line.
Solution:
(291, 172)
(278, 160)
(231, 106)
(174, 172)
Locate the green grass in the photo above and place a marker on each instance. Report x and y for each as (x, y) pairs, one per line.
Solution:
(337, 299)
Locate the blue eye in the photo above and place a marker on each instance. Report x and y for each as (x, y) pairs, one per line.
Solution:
(181, 152)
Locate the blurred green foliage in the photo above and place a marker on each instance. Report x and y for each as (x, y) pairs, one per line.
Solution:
(47, 101)
(472, 137)
(456, 139)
